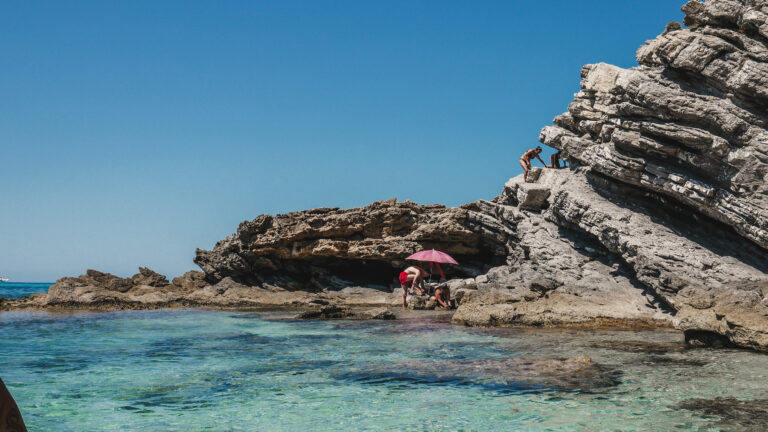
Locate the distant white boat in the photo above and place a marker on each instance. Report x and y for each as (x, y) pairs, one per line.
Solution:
(2, 279)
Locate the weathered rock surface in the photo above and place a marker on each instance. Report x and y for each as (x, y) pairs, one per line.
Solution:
(690, 122)
(678, 146)
(104, 290)
(329, 247)
(339, 312)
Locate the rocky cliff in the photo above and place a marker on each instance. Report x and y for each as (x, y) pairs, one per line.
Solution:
(661, 220)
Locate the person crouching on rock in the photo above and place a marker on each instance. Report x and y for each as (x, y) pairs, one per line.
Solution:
(525, 160)
(442, 296)
(555, 161)
(415, 275)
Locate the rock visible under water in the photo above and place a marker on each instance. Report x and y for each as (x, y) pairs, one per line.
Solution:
(734, 414)
(511, 374)
(336, 312)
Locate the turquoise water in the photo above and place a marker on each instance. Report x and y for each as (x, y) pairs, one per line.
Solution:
(21, 289)
(187, 370)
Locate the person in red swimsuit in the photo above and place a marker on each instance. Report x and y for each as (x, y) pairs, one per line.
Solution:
(415, 275)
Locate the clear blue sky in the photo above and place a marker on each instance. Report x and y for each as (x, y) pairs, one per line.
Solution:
(132, 132)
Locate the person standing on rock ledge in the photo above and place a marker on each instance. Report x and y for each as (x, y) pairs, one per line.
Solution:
(415, 275)
(525, 160)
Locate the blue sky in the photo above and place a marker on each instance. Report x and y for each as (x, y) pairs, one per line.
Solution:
(132, 133)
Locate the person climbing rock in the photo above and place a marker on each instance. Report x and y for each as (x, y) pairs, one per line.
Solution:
(525, 160)
(415, 275)
(556, 160)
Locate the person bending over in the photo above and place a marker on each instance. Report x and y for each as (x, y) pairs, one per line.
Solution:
(413, 275)
(525, 160)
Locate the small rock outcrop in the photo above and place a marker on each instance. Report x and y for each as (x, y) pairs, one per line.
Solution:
(95, 288)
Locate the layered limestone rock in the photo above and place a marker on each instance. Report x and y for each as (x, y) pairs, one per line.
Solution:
(690, 122)
(328, 247)
(681, 141)
(694, 272)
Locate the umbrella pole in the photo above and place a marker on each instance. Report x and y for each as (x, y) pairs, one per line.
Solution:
(431, 265)
(442, 275)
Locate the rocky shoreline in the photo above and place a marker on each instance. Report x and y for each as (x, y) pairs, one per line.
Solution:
(661, 220)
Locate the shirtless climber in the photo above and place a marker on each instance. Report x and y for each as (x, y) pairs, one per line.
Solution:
(525, 160)
(555, 161)
(415, 275)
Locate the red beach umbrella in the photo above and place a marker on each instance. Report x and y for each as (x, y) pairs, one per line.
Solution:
(433, 257)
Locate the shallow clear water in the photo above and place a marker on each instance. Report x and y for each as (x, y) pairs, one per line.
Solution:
(186, 370)
(21, 289)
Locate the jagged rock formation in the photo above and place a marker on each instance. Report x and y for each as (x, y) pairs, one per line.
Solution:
(95, 288)
(690, 122)
(148, 289)
(683, 135)
(329, 247)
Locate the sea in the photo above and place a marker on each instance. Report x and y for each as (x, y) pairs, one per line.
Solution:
(21, 289)
(208, 370)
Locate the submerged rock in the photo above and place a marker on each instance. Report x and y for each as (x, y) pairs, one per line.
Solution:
(327, 312)
(734, 414)
(377, 314)
(503, 375)
(338, 312)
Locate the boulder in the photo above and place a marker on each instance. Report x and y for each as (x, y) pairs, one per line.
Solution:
(10, 416)
(532, 197)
